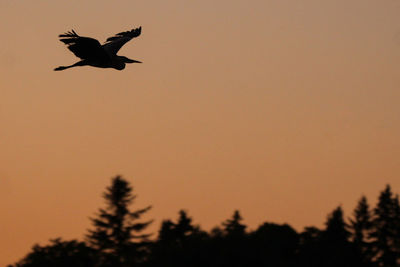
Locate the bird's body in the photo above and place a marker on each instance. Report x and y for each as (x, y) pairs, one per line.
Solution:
(92, 53)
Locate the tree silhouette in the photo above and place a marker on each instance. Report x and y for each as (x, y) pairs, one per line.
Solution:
(310, 250)
(117, 233)
(59, 253)
(273, 245)
(233, 227)
(184, 228)
(370, 238)
(361, 227)
(180, 244)
(166, 234)
(338, 251)
(336, 228)
(330, 247)
(386, 233)
(396, 227)
(234, 244)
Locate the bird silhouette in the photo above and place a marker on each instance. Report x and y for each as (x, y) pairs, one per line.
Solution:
(92, 53)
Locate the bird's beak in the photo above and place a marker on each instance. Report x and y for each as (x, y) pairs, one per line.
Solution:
(128, 60)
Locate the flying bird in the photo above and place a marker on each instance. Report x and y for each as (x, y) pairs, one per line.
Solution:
(92, 53)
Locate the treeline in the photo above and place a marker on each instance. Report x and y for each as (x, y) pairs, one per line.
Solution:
(118, 238)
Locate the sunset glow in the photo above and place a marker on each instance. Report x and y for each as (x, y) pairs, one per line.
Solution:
(280, 109)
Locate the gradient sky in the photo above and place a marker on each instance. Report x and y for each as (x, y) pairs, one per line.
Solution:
(281, 109)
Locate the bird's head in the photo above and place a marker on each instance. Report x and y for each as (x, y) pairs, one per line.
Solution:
(119, 65)
(120, 61)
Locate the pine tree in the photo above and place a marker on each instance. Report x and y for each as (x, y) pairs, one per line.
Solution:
(336, 228)
(117, 233)
(166, 233)
(385, 232)
(233, 227)
(361, 226)
(337, 249)
(180, 244)
(234, 242)
(177, 232)
(396, 227)
(184, 227)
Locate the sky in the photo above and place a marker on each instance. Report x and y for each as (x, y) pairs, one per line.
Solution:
(281, 109)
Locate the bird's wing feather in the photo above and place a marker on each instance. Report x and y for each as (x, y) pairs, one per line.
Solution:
(114, 43)
(83, 47)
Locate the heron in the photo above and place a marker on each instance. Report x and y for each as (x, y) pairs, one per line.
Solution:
(92, 53)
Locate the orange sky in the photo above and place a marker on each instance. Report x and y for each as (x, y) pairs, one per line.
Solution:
(282, 109)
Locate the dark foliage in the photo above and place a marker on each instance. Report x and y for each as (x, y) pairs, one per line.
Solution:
(179, 244)
(361, 227)
(59, 254)
(371, 238)
(385, 233)
(117, 233)
(273, 245)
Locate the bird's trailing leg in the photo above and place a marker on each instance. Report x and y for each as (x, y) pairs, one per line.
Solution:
(80, 63)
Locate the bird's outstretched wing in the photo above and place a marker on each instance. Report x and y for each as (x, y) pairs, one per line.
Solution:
(83, 47)
(113, 44)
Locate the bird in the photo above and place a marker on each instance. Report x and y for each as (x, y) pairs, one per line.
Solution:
(92, 53)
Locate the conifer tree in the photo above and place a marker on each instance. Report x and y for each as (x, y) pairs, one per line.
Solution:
(166, 233)
(184, 227)
(396, 227)
(361, 226)
(179, 231)
(180, 244)
(336, 227)
(234, 242)
(233, 227)
(385, 232)
(336, 248)
(117, 233)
